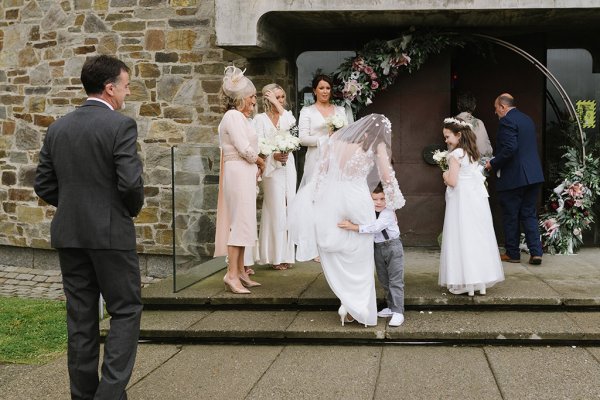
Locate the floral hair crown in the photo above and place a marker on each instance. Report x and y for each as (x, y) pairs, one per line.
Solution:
(452, 120)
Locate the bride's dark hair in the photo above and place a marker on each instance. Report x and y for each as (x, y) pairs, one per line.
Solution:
(467, 140)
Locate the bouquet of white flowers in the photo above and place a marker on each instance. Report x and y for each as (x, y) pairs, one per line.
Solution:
(280, 142)
(335, 122)
(441, 158)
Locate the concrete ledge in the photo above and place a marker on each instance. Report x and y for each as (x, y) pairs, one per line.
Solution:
(419, 326)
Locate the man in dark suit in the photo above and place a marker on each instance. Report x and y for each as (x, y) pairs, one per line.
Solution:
(520, 176)
(89, 169)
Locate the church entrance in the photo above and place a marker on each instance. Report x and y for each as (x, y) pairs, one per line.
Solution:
(417, 104)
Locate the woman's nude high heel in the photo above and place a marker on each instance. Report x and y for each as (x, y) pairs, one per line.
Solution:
(231, 287)
(246, 281)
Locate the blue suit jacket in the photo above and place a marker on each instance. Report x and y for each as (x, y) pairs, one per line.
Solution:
(517, 156)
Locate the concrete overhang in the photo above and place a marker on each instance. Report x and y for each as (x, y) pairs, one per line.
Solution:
(275, 28)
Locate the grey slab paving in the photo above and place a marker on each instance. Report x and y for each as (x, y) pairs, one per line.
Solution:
(524, 373)
(207, 372)
(463, 325)
(588, 322)
(327, 325)
(415, 373)
(320, 372)
(242, 324)
(51, 381)
(278, 287)
(319, 293)
(165, 323)
(573, 280)
(8, 372)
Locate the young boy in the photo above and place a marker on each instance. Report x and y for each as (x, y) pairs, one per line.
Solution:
(389, 255)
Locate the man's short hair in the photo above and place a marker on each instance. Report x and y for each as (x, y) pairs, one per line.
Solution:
(99, 71)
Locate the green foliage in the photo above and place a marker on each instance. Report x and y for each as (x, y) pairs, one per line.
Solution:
(31, 331)
(569, 209)
(377, 65)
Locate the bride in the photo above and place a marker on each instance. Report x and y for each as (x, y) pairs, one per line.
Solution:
(352, 162)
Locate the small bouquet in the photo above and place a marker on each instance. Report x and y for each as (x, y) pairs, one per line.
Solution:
(482, 162)
(280, 142)
(335, 122)
(441, 158)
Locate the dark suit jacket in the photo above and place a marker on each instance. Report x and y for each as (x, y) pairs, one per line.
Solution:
(89, 169)
(516, 156)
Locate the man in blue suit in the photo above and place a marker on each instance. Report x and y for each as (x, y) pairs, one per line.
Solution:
(519, 171)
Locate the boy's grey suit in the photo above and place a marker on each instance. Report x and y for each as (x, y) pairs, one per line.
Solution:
(89, 169)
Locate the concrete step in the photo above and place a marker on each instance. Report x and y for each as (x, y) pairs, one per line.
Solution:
(434, 326)
(563, 282)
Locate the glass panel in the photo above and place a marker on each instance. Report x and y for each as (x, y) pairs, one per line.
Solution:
(195, 180)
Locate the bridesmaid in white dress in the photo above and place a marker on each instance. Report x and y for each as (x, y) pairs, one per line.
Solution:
(279, 182)
(469, 260)
(353, 161)
(312, 123)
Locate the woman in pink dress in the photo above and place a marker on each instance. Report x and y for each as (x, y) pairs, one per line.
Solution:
(240, 168)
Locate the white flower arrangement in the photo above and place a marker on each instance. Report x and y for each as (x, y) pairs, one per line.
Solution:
(441, 158)
(335, 122)
(283, 141)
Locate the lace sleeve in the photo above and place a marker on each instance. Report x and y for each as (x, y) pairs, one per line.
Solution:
(394, 198)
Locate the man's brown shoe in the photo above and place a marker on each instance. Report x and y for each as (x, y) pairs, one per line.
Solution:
(505, 257)
(535, 260)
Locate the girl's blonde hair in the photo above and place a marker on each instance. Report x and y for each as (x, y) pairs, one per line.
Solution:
(467, 140)
(267, 105)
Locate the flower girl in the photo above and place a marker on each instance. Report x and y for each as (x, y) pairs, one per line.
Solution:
(469, 260)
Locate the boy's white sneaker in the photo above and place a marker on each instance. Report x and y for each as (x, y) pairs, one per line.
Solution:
(397, 319)
(386, 312)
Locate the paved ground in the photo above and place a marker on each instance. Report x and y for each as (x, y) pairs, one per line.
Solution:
(231, 372)
(378, 371)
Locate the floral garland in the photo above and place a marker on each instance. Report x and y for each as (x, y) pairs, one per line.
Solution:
(569, 208)
(377, 65)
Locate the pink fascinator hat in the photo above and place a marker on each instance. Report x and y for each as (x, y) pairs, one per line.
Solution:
(235, 84)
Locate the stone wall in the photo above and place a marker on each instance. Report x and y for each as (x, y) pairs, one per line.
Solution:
(176, 74)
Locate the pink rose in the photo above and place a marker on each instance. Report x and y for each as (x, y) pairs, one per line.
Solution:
(368, 70)
(374, 85)
(373, 76)
(576, 190)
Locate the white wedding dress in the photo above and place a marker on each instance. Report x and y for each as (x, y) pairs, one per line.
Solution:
(349, 169)
(469, 258)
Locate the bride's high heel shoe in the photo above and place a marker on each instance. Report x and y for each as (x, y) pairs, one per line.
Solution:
(469, 290)
(344, 315)
(246, 281)
(229, 285)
